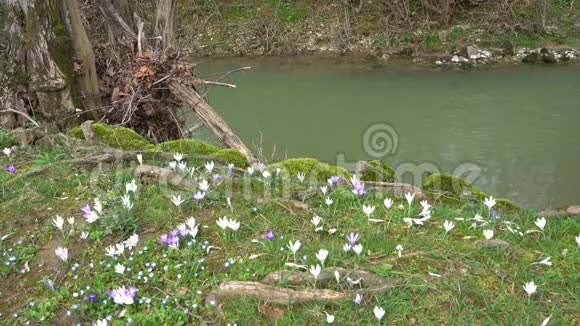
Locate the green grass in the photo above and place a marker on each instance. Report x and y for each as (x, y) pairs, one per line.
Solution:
(478, 285)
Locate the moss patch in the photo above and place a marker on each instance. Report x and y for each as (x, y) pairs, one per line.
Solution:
(378, 171)
(313, 169)
(114, 136)
(234, 156)
(506, 204)
(187, 146)
(451, 186)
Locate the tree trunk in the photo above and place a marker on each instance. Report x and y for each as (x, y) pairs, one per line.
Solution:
(117, 24)
(38, 79)
(87, 77)
(125, 10)
(211, 119)
(165, 24)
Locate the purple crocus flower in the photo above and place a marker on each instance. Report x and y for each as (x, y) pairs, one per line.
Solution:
(359, 189)
(353, 238)
(10, 168)
(493, 215)
(231, 166)
(50, 284)
(86, 209)
(199, 195)
(270, 235)
(84, 235)
(163, 238)
(184, 233)
(173, 233)
(216, 178)
(91, 297)
(358, 298)
(334, 179)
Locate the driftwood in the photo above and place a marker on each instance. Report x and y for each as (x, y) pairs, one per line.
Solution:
(211, 119)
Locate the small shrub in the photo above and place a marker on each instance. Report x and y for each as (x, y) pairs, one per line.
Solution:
(456, 33)
(432, 41)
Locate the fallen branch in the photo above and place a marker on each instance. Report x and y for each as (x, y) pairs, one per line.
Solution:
(22, 114)
(272, 294)
(214, 83)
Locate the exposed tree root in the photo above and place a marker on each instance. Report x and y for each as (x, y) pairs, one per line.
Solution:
(490, 243)
(361, 281)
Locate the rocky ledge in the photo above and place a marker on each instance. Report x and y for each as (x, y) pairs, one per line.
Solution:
(469, 56)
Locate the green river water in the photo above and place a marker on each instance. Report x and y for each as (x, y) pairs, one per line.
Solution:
(513, 131)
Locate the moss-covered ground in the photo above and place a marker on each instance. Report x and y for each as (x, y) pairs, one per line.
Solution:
(444, 278)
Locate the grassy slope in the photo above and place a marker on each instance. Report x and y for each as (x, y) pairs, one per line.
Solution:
(479, 286)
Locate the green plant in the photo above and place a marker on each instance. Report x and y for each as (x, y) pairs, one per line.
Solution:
(456, 33)
(432, 41)
(120, 222)
(45, 158)
(5, 139)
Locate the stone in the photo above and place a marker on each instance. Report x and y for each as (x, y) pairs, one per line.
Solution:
(549, 58)
(532, 57)
(573, 210)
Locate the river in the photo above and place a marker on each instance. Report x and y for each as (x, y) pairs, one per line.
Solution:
(515, 129)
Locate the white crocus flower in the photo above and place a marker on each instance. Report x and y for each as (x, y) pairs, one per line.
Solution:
(294, 246)
(203, 185)
(488, 234)
(234, 225)
(546, 262)
(7, 151)
(546, 321)
(448, 226)
(71, 221)
(172, 165)
(131, 242)
(346, 247)
(140, 159)
(357, 248)
(328, 201)
(315, 271)
(489, 202)
(301, 176)
(98, 206)
(578, 240)
(409, 197)
(368, 210)
(176, 200)
(119, 249)
(250, 170)
(126, 200)
(321, 255)
(329, 318)
(110, 251)
(324, 189)
(399, 250)
(182, 166)
(266, 174)
(178, 157)
(222, 222)
(530, 288)
(190, 222)
(316, 220)
(130, 186)
(209, 166)
(541, 223)
(119, 269)
(388, 202)
(379, 312)
(58, 222)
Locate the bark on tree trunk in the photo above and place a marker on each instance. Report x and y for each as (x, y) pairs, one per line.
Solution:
(165, 24)
(189, 96)
(115, 22)
(38, 79)
(87, 77)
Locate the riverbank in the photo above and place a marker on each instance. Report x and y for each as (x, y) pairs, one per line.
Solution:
(212, 244)
(466, 37)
